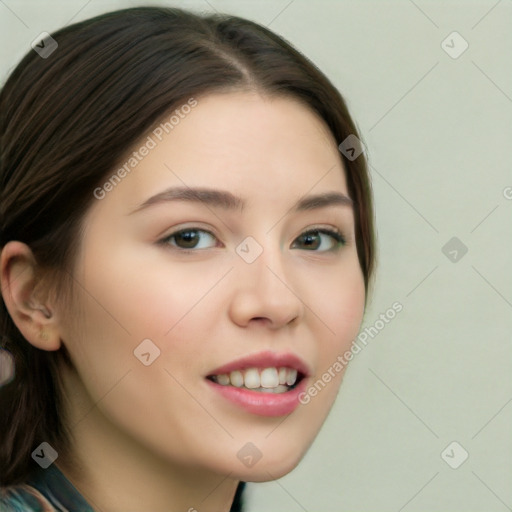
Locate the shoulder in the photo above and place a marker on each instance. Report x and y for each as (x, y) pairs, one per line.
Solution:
(44, 490)
(23, 498)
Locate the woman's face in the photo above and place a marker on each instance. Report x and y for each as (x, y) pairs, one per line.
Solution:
(171, 292)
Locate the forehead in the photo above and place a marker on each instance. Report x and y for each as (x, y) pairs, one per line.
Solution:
(270, 147)
(243, 123)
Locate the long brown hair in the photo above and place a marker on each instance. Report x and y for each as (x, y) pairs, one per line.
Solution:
(66, 120)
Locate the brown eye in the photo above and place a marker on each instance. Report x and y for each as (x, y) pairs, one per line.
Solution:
(190, 238)
(312, 239)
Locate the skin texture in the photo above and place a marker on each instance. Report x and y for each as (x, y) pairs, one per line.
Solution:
(152, 437)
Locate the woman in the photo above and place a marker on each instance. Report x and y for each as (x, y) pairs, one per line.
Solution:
(187, 242)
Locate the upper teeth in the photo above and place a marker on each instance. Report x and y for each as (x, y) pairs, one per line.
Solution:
(255, 378)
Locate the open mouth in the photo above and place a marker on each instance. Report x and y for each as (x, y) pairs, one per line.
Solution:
(265, 380)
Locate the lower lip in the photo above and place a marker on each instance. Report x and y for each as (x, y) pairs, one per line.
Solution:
(261, 403)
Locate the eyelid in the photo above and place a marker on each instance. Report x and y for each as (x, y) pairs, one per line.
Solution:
(192, 226)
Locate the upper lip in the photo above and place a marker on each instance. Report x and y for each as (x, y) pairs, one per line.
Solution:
(267, 359)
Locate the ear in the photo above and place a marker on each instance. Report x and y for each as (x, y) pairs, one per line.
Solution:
(18, 284)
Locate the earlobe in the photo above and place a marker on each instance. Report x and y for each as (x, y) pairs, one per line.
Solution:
(18, 285)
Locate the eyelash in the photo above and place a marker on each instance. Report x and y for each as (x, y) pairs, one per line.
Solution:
(334, 233)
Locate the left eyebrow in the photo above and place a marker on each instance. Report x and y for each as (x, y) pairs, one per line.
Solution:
(228, 201)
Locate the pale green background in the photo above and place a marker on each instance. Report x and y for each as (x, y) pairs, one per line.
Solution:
(438, 132)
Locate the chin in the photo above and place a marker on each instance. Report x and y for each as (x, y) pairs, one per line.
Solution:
(264, 474)
(272, 466)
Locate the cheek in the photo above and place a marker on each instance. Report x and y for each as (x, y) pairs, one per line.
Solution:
(343, 309)
(119, 311)
(147, 290)
(153, 296)
(338, 302)
(336, 327)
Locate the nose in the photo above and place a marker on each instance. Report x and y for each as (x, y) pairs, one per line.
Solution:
(264, 291)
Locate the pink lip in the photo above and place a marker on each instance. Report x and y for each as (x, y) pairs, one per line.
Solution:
(267, 359)
(261, 403)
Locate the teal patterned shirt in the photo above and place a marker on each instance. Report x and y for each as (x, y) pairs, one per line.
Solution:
(48, 490)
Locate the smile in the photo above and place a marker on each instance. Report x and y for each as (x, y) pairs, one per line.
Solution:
(266, 384)
(267, 380)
